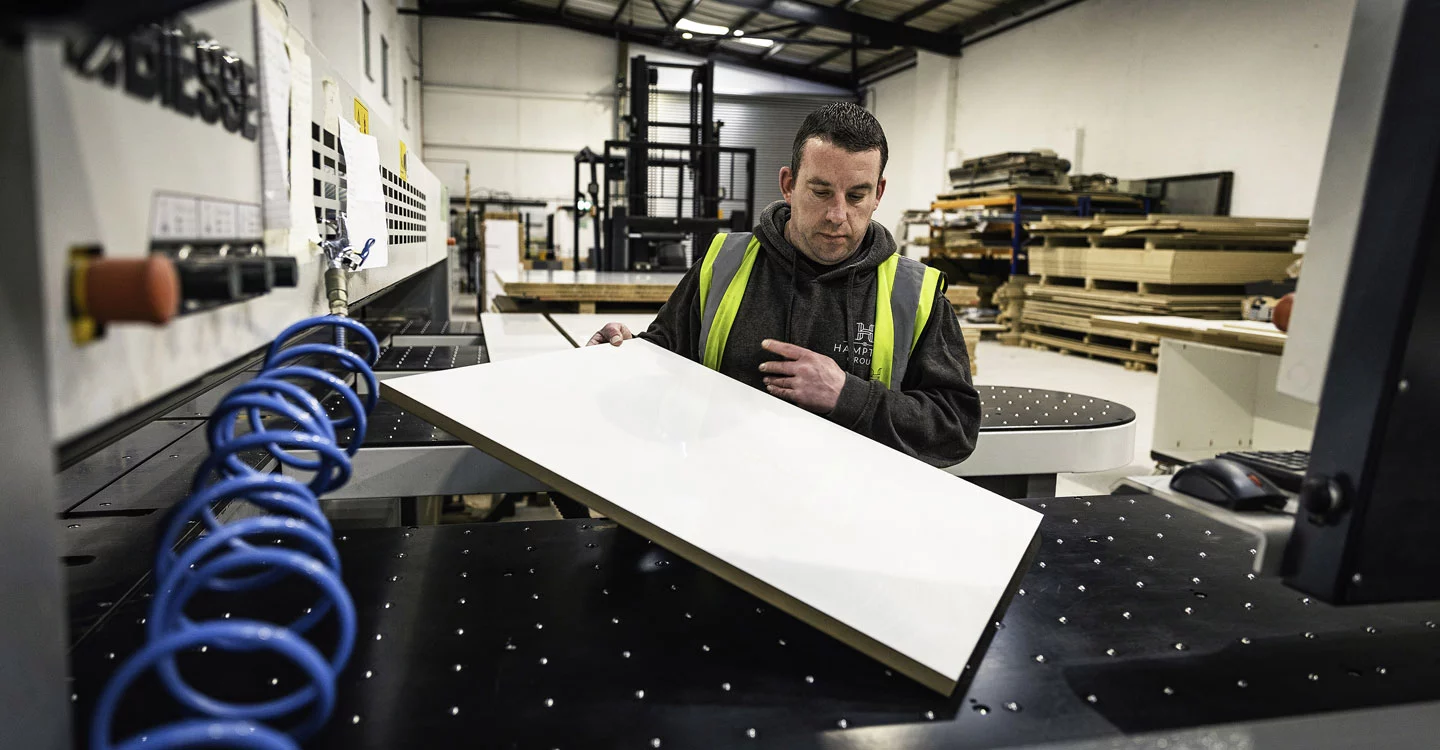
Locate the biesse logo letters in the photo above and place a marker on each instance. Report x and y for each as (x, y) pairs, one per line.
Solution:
(187, 71)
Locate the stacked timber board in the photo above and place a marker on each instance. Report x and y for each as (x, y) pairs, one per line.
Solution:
(1165, 249)
(1007, 171)
(587, 288)
(1237, 334)
(1160, 265)
(1010, 299)
(961, 296)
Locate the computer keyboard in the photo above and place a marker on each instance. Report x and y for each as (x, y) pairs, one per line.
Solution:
(1285, 468)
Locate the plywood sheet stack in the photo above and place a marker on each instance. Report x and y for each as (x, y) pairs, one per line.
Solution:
(972, 232)
(962, 296)
(1173, 265)
(1011, 170)
(1236, 334)
(1010, 299)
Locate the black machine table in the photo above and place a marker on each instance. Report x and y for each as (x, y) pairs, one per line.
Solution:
(1136, 617)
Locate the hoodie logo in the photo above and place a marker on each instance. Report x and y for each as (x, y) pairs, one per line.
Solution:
(864, 334)
(859, 351)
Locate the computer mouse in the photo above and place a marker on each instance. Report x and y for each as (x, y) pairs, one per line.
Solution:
(1229, 484)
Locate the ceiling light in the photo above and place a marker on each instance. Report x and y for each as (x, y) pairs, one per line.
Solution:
(686, 24)
(739, 32)
(687, 35)
(765, 43)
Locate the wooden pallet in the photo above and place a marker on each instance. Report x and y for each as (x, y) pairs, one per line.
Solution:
(1114, 225)
(587, 288)
(1132, 360)
(1092, 328)
(1155, 266)
(1100, 301)
(1164, 241)
(1091, 283)
(1074, 310)
(973, 251)
(963, 295)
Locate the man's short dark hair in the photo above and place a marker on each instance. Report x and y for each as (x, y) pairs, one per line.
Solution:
(844, 124)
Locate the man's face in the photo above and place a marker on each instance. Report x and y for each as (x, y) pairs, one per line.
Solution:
(831, 200)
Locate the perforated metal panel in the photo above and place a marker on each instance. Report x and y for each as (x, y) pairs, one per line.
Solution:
(405, 214)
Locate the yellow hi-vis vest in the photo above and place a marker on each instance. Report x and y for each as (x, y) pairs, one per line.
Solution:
(904, 294)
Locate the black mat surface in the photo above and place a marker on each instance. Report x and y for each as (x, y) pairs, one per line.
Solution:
(1136, 615)
(418, 358)
(1012, 408)
(109, 464)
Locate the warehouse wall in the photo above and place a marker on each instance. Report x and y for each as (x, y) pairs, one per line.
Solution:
(517, 101)
(1150, 88)
(914, 108)
(335, 28)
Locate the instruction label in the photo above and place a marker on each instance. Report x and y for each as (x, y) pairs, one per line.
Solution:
(362, 117)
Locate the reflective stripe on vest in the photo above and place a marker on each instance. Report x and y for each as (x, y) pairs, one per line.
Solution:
(904, 298)
(726, 266)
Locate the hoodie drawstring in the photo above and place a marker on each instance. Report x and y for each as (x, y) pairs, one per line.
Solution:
(849, 291)
(790, 306)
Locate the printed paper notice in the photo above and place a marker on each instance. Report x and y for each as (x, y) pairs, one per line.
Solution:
(275, 122)
(364, 200)
(304, 225)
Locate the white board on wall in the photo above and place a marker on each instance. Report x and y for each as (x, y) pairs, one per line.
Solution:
(502, 255)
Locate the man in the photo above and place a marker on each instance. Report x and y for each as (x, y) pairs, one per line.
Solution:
(829, 317)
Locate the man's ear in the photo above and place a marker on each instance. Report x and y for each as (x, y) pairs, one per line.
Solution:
(880, 190)
(787, 183)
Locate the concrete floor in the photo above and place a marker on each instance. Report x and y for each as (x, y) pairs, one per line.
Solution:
(1016, 366)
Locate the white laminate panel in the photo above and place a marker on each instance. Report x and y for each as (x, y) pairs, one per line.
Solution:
(896, 558)
(517, 335)
(581, 326)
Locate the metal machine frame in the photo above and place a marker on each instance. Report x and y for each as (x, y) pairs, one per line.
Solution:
(1366, 534)
(1368, 522)
(635, 235)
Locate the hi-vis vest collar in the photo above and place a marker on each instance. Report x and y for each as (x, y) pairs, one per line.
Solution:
(904, 295)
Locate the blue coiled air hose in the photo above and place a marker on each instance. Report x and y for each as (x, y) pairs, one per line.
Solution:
(228, 558)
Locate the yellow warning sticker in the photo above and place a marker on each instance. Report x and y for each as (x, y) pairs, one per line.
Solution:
(404, 172)
(362, 117)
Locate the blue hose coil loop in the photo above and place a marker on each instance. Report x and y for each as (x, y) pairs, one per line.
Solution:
(228, 558)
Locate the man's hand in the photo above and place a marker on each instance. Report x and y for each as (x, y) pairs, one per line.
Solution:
(613, 333)
(804, 378)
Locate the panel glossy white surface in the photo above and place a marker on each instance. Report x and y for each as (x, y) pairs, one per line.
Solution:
(517, 335)
(581, 326)
(898, 559)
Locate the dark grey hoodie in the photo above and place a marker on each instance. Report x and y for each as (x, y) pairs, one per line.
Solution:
(935, 414)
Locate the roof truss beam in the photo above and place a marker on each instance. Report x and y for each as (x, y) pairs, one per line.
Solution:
(502, 10)
(876, 31)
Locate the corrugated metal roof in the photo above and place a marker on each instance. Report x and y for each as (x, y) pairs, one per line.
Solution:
(713, 12)
(883, 8)
(642, 15)
(591, 8)
(950, 14)
(797, 55)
